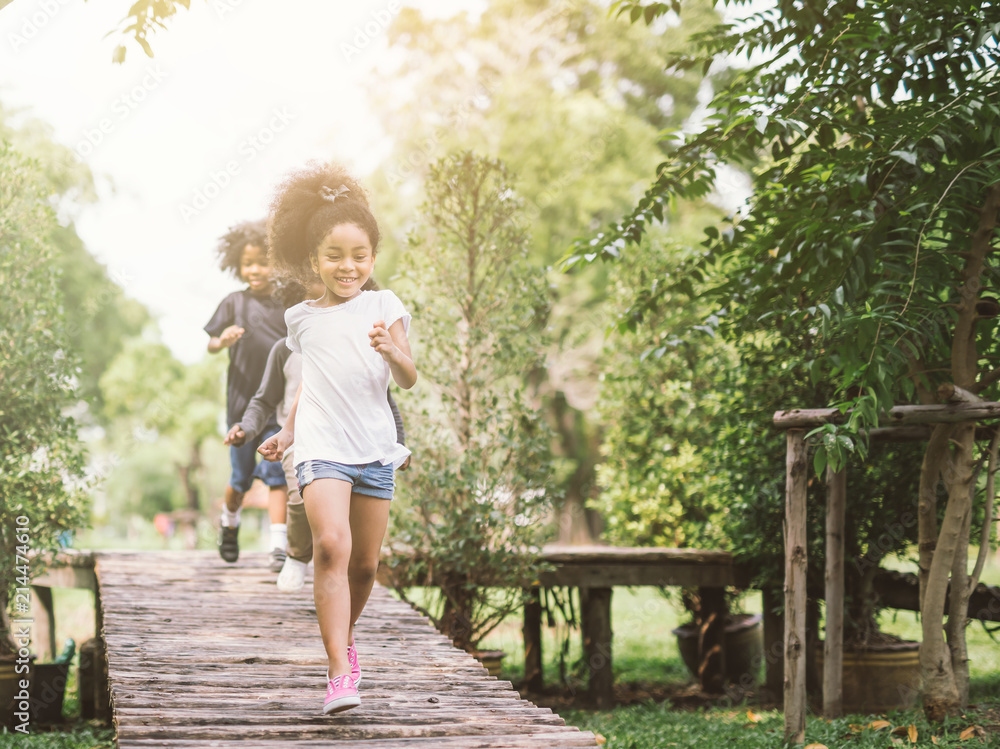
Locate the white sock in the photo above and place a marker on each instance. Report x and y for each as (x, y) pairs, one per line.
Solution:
(231, 518)
(292, 577)
(279, 536)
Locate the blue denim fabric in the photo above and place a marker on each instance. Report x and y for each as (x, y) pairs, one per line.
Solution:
(373, 479)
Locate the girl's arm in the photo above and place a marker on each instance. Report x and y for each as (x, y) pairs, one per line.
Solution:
(394, 347)
(273, 448)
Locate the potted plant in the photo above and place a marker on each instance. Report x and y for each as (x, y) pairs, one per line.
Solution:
(41, 459)
(476, 502)
(743, 639)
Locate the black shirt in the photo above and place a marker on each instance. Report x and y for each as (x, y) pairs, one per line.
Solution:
(263, 323)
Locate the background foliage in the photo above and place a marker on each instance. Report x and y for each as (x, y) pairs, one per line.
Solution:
(42, 461)
(476, 502)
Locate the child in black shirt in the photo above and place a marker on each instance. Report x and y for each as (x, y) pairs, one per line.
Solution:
(248, 323)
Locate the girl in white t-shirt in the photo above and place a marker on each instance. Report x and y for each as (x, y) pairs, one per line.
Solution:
(352, 341)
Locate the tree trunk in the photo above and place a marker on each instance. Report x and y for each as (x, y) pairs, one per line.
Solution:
(941, 695)
(189, 477)
(456, 614)
(930, 475)
(943, 665)
(579, 443)
(958, 607)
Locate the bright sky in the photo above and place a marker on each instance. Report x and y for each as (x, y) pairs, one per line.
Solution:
(192, 141)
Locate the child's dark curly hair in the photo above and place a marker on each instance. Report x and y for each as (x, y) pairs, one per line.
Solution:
(309, 203)
(231, 244)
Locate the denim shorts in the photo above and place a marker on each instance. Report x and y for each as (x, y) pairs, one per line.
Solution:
(373, 479)
(245, 467)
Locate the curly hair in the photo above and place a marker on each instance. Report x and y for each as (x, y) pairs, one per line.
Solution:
(232, 243)
(301, 215)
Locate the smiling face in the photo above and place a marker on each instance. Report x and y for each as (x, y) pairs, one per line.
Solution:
(254, 269)
(344, 261)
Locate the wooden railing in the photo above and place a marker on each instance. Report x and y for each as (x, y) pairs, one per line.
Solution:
(595, 571)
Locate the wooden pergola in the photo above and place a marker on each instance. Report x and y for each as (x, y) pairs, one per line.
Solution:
(902, 424)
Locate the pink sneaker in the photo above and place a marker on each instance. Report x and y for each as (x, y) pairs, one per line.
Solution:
(341, 694)
(352, 658)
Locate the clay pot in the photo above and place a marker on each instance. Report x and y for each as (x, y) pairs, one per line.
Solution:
(744, 647)
(491, 659)
(880, 678)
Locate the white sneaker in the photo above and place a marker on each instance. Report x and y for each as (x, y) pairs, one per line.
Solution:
(292, 576)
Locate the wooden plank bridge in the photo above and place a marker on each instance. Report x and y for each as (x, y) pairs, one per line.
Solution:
(205, 654)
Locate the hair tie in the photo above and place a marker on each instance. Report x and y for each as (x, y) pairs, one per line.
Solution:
(331, 195)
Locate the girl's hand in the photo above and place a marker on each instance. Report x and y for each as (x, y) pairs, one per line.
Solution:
(273, 448)
(381, 341)
(230, 336)
(394, 348)
(236, 436)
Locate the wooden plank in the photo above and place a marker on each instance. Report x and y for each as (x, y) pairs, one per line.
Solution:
(795, 587)
(203, 653)
(601, 575)
(609, 566)
(558, 554)
(833, 641)
(534, 677)
(774, 641)
(595, 629)
(338, 726)
(951, 413)
(44, 633)
(537, 740)
(711, 639)
(75, 576)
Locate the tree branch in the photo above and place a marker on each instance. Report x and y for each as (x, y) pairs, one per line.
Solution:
(984, 540)
(986, 380)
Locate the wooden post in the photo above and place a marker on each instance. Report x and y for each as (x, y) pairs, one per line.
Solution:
(833, 645)
(532, 632)
(711, 639)
(44, 634)
(774, 640)
(796, 468)
(595, 628)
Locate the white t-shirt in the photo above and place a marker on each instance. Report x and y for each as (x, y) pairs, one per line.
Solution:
(343, 414)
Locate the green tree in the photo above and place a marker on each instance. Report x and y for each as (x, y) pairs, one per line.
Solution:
(152, 398)
(42, 461)
(477, 500)
(572, 101)
(570, 98)
(99, 316)
(872, 229)
(659, 397)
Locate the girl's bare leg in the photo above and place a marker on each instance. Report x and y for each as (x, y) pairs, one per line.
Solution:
(328, 507)
(369, 517)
